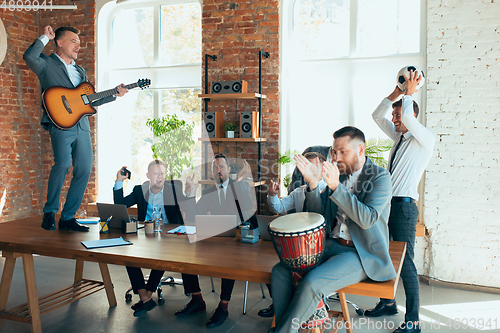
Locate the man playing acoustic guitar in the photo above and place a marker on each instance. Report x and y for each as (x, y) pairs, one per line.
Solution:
(60, 69)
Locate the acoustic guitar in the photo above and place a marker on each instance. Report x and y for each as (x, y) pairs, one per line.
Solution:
(66, 106)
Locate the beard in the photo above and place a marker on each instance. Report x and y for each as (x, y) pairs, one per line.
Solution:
(346, 168)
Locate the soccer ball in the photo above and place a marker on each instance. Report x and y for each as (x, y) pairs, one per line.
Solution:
(406, 71)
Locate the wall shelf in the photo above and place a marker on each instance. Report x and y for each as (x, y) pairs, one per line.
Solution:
(220, 97)
(233, 139)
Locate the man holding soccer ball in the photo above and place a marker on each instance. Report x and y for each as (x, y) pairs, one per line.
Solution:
(410, 154)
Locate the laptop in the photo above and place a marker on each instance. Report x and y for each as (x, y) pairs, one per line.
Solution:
(264, 221)
(216, 225)
(119, 213)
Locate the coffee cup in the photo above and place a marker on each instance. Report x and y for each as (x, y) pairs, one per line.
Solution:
(149, 227)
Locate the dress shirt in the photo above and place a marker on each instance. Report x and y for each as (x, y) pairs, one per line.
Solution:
(74, 74)
(295, 200)
(223, 188)
(415, 151)
(341, 230)
(154, 201)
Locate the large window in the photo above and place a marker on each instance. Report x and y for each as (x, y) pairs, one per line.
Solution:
(156, 40)
(340, 58)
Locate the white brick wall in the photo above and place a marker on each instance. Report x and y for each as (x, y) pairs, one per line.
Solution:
(462, 182)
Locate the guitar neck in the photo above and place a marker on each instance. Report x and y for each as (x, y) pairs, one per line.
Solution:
(110, 92)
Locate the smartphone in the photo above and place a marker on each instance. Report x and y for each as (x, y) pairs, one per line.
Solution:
(126, 172)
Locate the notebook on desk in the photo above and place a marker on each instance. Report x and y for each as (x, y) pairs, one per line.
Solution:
(216, 225)
(119, 213)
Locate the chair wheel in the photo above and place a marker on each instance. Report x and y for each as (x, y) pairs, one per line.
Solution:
(161, 301)
(128, 297)
(360, 312)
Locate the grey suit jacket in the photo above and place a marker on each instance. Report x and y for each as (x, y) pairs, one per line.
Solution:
(52, 72)
(209, 201)
(367, 213)
(297, 178)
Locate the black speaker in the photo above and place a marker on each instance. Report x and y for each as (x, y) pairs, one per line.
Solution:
(230, 87)
(213, 124)
(249, 124)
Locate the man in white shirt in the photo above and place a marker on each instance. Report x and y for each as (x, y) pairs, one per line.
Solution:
(295, 200)
(155, 194)
(410, 154)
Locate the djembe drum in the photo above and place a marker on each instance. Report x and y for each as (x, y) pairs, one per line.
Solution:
(299, 241)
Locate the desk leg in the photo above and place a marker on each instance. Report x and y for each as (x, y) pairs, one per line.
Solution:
(31, 292)
(108, 285)
(79, 270)
(8, 271)
(345, 312)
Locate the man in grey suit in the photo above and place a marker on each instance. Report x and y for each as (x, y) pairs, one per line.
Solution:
(356, 207)
(69, 146)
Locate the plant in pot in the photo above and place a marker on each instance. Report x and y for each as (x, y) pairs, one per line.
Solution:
(375, 149)
(173, 142)
(229, 127)
(286, 160)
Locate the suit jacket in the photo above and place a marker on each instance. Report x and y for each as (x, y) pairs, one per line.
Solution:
(209, 201)
(367, 213)
(297, 178)
(52, 72)
(174, 201)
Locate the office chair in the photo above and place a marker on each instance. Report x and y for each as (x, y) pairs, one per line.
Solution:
(335, 298)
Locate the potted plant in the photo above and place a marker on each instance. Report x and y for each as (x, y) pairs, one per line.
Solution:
(375, 148)
(229, 127)
(286, 160)
(173, 143)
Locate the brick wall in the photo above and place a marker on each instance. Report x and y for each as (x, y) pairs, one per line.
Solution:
(236, 31)
(21, 186)
(462, 183)
(25, 150)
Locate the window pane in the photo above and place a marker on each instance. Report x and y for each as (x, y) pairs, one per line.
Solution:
(321, 29)
(388, 27)
(186, 104)
(180, 34)
(132, 43)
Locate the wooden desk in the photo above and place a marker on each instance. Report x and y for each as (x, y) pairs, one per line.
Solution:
(23, 238)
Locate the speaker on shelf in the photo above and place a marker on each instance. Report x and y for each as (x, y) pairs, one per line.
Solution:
(249, 124)
(230, 87)
(213, 124)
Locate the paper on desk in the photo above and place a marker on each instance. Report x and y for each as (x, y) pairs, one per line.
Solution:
(105, 243)
(183, 229)
(89, 220)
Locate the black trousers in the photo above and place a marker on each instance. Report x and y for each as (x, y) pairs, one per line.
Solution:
(192, 285)
(137, 279)
(402, 227)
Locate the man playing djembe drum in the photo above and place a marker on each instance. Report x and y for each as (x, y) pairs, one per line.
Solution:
(356, 207)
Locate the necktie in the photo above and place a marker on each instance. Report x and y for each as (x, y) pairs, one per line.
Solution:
(222, 196)
(394, 154)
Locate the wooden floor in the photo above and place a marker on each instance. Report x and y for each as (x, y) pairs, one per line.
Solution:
(93, 315)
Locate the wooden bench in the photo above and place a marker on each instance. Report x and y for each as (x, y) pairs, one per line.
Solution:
(386, 289)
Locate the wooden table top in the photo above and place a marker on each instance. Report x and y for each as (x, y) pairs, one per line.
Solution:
(224, 257)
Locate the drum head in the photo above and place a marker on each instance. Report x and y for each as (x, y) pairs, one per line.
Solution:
(296, 222)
